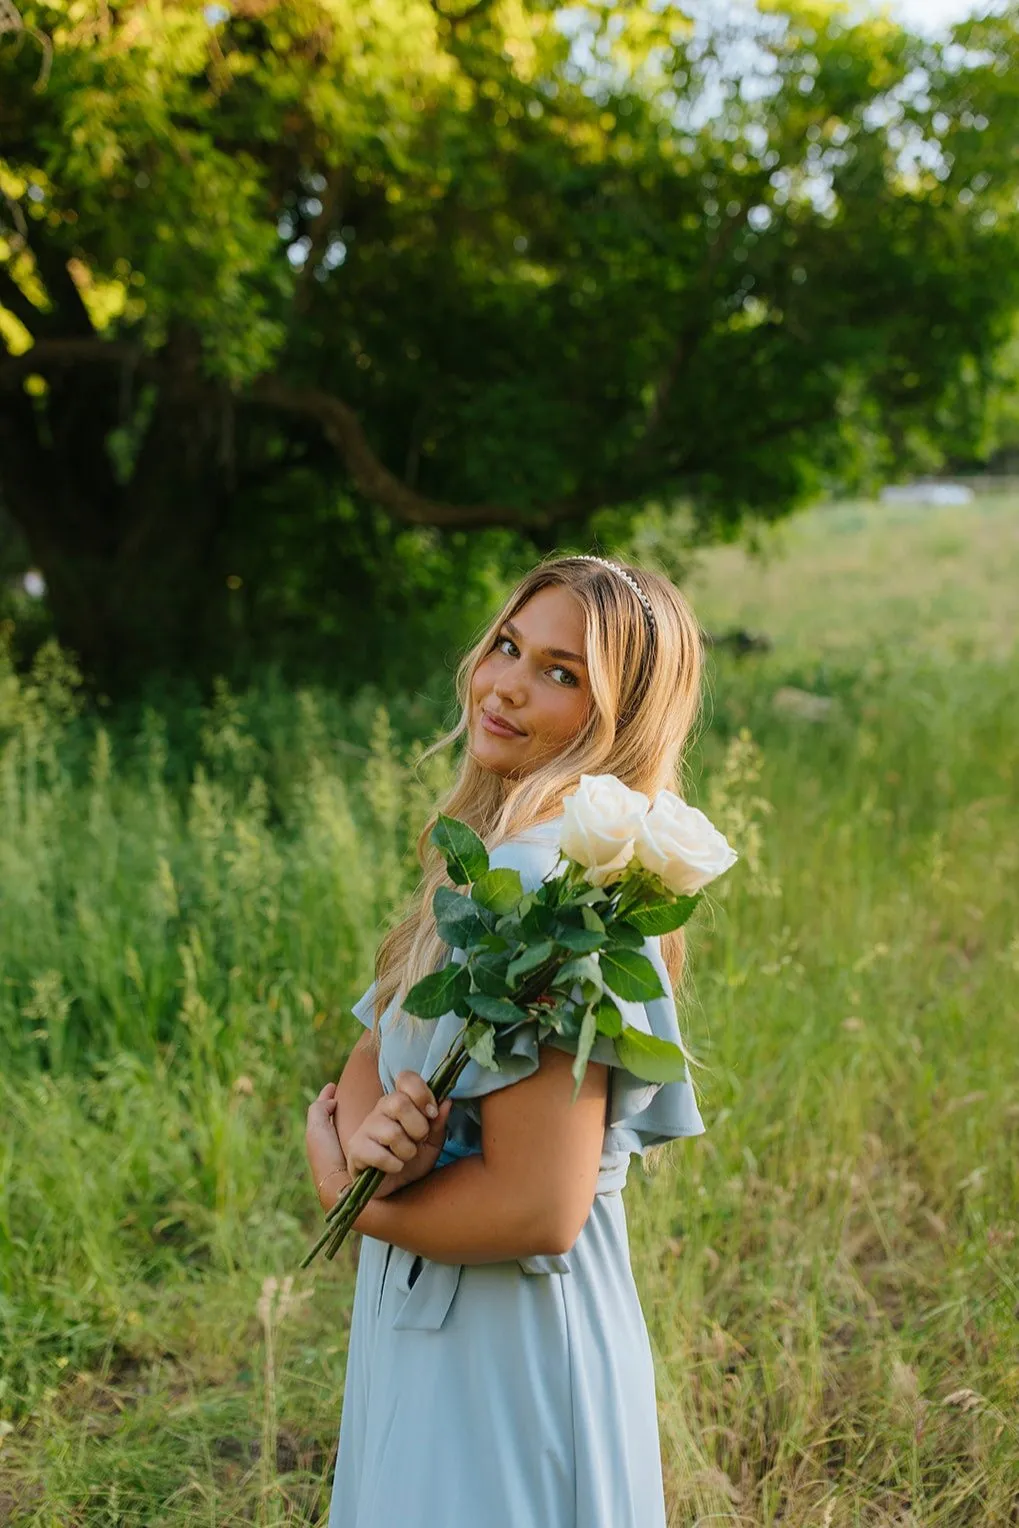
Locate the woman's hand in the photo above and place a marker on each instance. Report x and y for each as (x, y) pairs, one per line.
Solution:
(329, 1171)
(402, 1135)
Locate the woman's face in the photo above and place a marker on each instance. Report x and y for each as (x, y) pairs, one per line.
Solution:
(530, 695)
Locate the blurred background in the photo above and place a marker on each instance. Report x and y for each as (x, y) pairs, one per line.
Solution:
(320, 323)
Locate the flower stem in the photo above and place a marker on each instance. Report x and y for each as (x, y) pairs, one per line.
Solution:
(341, 1216)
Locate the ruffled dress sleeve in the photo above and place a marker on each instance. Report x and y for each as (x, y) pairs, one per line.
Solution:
(640, 1114)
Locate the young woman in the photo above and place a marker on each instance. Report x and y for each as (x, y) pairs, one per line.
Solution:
(499, 1372)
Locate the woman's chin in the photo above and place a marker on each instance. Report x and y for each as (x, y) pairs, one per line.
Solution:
(492, 753)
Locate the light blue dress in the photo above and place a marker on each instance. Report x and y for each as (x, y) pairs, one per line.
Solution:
(518, 1394)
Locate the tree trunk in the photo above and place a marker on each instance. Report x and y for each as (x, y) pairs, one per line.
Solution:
(134, 569)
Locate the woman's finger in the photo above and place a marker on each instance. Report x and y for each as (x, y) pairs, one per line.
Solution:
(414, 1087)
(399, 1107)
(391, 1135)
(373, 1154)
(437, 1134)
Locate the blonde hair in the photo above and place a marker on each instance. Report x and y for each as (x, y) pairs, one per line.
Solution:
(646, 693)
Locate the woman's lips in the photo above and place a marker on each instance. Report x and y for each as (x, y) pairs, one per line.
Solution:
(497, 726)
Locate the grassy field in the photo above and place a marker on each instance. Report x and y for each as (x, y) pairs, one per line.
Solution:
(830, 1275)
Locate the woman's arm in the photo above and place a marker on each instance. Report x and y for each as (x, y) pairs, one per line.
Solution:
(528, 1193)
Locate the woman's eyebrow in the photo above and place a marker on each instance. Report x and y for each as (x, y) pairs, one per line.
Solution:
(551, 652)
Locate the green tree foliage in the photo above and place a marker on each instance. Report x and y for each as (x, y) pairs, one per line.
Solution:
(307, 295)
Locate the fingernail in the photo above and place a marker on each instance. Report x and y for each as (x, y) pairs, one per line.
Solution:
(431, 1111)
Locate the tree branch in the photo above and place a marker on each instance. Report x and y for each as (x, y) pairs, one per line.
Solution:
(342, 429)
(338, 422)
(50, 354)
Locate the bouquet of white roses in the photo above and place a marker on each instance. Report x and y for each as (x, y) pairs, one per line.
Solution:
(632, 869)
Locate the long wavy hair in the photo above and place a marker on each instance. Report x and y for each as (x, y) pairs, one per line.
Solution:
(646, 698)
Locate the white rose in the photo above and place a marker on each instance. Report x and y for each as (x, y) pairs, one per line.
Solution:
(600, 822)
(678, 843)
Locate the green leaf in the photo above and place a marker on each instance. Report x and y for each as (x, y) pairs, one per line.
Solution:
(630, 975)
(649, 1058)
(465, 855)
(588, 1031)
(610, 1020)
(480, 1042)
(489, 973)
(538, 922)
(580, 940)
(623, 935)
(556, 1016)
(529, 960)
(456, 917)
(663, 917)
(499, 890)
(592, 921)
(583, 969)
(438, 992)
(497, 1010)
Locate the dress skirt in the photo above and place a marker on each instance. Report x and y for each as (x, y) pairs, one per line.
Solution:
(527, 1402)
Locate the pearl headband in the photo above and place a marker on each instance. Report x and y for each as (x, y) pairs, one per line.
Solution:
(638, 591)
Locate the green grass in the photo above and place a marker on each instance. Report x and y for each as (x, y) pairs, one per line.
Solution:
(830, 1275)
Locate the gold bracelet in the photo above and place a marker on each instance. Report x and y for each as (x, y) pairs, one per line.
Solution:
(318, 1186)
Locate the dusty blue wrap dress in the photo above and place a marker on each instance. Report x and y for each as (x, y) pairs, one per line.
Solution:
(518, 1394)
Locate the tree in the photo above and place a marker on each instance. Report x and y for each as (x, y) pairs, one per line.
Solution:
(304, 276)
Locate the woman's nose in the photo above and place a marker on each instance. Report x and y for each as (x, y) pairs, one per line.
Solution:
(511, 687)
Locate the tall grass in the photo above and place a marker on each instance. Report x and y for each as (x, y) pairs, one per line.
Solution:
(830, 1275)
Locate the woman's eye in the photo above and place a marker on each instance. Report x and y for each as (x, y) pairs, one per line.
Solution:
(568, 679)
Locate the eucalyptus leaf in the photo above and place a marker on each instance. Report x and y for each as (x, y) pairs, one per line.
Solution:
(438, 992)
(662, 917)
(630, 975)
(465, 855)
(649, 1058)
